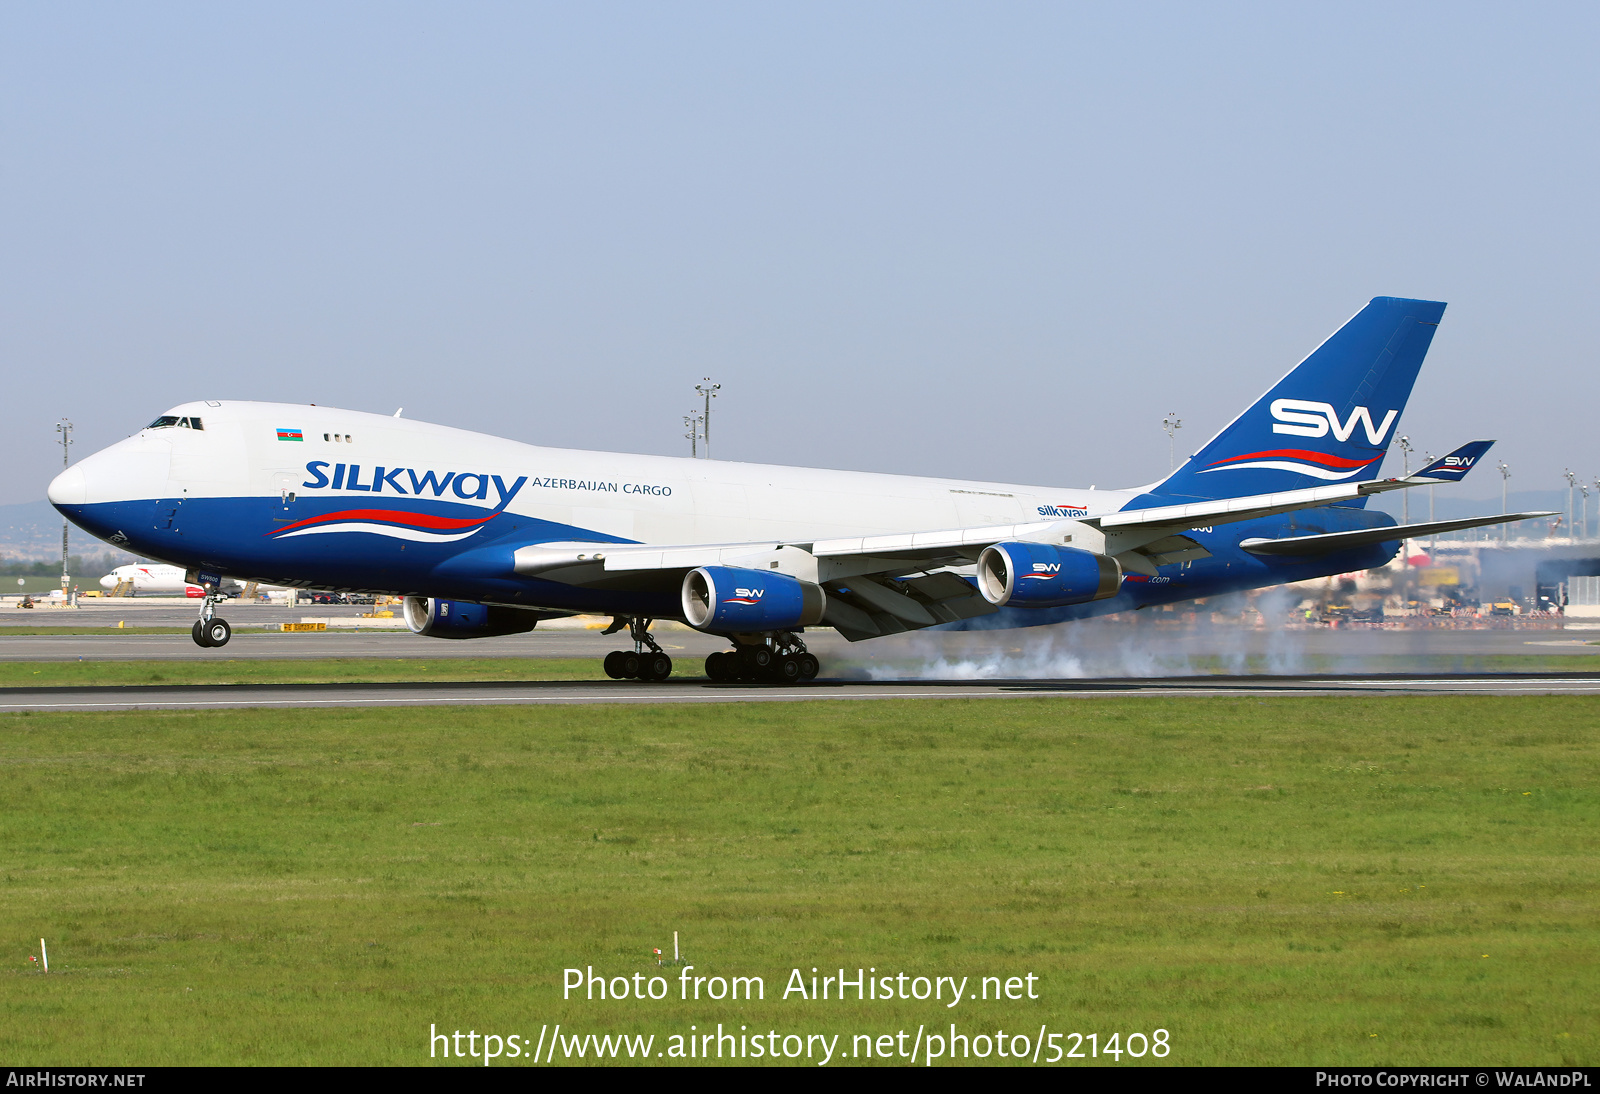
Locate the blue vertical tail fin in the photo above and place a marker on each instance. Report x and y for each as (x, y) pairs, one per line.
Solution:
(1330, 419)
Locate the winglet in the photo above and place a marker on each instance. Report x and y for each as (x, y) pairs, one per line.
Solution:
(1454, 467)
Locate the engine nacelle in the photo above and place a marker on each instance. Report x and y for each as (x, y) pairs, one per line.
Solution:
(1039, 575)
(732, 599)
(437, 618)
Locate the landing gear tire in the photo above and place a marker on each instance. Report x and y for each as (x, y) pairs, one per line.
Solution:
(809, 666)
(217, 632)
(197, 632)
(754, 662)
(613, 664)
(723, 668)
(786, 670)
(655, 667)
(630, 665)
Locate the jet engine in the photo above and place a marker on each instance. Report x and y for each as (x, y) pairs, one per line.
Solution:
(732, 599)
(437, 618)
(1039, 575)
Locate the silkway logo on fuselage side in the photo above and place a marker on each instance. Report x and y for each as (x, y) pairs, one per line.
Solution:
(401, 523)
(456, 482)
(1062, 511)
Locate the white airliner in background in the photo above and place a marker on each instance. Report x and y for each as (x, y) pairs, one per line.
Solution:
(159, 578)
(486, 536)
(151, 578)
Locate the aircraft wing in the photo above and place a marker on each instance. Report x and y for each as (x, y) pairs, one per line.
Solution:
(876, 585)
(1365, 537)
(884, 584)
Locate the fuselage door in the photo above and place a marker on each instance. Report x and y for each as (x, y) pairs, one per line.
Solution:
(283, 501)
(166, 515)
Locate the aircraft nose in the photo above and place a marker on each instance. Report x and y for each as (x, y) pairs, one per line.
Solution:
(109, 581)
(69, 488)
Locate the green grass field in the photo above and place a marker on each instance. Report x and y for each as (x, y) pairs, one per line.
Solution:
(344, 670)
(1292, 881)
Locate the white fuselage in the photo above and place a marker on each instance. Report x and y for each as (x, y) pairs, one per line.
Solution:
(151, 578)
(641, 498)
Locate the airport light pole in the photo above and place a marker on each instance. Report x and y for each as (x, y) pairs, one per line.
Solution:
(709, 391)
(1172, 423)
(1433, 540)
(1572, 480)
(1583, 490)
(692, 423)
(1404, 444)
(64, 428)
(1505, 476)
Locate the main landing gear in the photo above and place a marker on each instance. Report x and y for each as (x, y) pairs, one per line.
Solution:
(210, 629)
(780, 659)
(650, 666)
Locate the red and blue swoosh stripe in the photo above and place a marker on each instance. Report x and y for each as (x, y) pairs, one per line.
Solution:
(393, 523)
(1318, 465)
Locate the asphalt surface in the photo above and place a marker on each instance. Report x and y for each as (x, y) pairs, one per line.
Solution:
(331, 644)
(307, 696)
(1113, 657)
(1108, 647)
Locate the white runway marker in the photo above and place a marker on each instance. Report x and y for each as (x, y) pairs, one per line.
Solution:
(44, 956)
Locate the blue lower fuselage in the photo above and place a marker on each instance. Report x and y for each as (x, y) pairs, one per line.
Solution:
(252, 538)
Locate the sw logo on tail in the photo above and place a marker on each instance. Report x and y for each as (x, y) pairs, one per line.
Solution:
(1303, 418)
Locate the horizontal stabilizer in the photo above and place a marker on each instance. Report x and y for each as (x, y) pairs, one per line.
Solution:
(1198, 514)
(1454, 467)
(1366, 537)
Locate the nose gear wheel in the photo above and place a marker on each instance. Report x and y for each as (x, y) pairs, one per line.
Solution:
(210, 630)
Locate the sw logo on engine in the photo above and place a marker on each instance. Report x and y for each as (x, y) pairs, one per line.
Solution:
(1304, 418)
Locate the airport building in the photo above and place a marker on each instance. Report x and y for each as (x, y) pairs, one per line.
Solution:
(1538, 574)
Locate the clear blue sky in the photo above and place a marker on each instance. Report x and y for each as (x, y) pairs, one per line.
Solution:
(994, 241)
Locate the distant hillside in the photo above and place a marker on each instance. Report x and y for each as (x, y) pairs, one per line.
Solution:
(32, 531)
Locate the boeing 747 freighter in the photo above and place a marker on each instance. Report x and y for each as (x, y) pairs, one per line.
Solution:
(484, 536)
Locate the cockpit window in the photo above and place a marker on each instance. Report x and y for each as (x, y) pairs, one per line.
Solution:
(168, 420)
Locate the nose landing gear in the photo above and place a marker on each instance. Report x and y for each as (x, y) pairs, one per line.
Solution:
(210, 629)
(781, 659)
(650, 666)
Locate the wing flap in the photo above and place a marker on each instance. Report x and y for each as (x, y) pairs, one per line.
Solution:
(950, 540)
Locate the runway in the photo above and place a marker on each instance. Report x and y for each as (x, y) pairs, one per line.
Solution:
(1093, 648)
(1112, 657)
(246, 646)
(509, 693)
